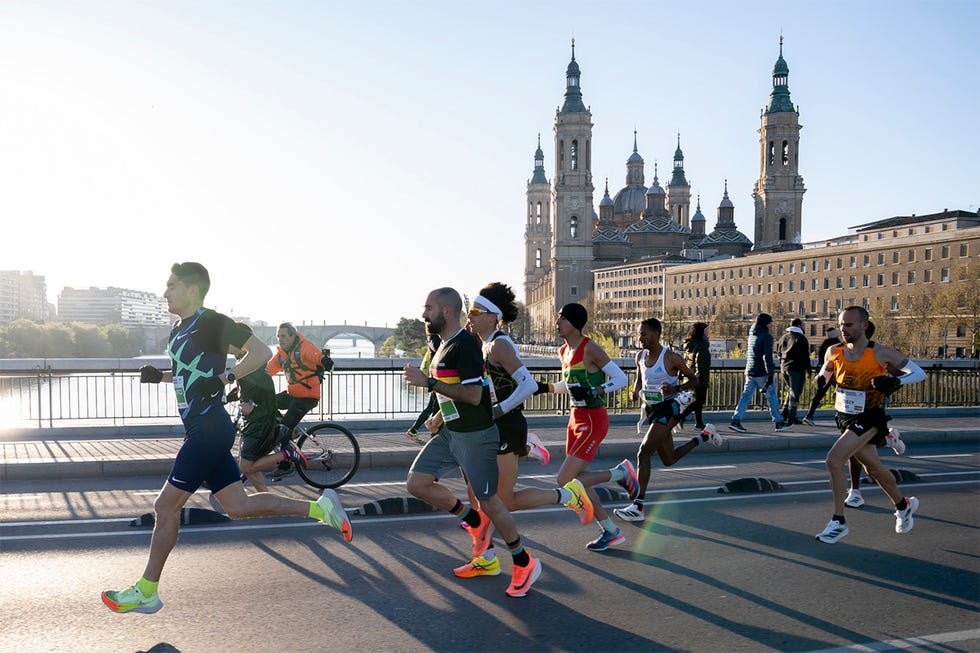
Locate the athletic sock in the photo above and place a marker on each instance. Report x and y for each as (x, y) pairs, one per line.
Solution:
(638, 502)
(521, 558)
(616, 474)
(902, 505)
(147, 587)
(489, 554)
(316, 511)
(607, 524)
(465, 514)
(839, 518)
(564, 495)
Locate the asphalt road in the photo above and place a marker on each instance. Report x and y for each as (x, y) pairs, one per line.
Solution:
(705, 572)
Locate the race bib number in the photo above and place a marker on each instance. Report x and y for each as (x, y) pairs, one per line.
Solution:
(849, 401)
(447, 408)
(579, 403)
(652, 396)
(179, 391)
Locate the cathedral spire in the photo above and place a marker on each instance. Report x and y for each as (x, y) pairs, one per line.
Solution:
(573, 91)
(539, 176)
(779, 100)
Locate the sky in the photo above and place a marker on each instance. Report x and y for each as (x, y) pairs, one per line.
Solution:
(334, 161)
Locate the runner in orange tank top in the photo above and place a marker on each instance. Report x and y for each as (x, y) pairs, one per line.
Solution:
(866, 373)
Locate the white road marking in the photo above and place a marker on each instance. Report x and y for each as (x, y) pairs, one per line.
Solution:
(908, 642)
(189, 530)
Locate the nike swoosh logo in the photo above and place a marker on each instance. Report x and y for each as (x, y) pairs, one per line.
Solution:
(177, 480)
(486, 490)
(184, 335)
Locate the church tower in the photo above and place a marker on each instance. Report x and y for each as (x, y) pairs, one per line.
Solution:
(778, 193)
(679, 191)
(537, 232)
(572, 254)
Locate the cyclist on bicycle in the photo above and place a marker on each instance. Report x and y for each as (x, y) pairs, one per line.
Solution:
(303, 364)
(260, 429)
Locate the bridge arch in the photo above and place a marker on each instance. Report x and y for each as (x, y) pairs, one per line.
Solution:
(320, 334)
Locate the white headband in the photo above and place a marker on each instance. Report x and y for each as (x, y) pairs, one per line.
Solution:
(490, 305)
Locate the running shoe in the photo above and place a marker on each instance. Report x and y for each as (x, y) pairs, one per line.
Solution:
(131, 600)
(334, 513)
(580, 501)
(293, 453)
(629, 482)
(894, 440)
(632, 512)
(783, 426)
(480, 534)
(536, 450)
(478, 566)
(714, 437)
(415, 436)
(524, 577)
(606, 539)
(903, 518)
(737, 426)
(834, 531)
(808, 421)
(282, 472)
(854, 499)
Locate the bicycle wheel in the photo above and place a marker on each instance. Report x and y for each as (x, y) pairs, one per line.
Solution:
(332, 454)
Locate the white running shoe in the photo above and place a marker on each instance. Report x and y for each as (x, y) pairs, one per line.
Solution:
(834, 531)
(903, 518)
(854, 499)
(714, 437)
(536, 450)
(894, 440)
(632, 512)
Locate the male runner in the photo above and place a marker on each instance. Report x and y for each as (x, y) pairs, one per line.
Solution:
(657, 380)
(198, 348)
(864, 372)
(585, 366)
(468, 437)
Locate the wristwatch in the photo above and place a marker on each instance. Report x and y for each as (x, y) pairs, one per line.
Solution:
(431, 382)
(230, 376)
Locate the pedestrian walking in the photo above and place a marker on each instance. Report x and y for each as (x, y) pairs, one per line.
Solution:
(795, 366)
(759, 374)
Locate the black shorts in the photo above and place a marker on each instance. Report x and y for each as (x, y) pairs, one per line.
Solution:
(258, 439)
(513, 433)
(296, 407)
(864, 422)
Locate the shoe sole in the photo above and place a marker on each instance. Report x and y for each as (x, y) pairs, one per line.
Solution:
(141, 609)
(619, 514)
(853, 505)
(615, 542)
(737, 429)
(832, 541)
(469, 572)
(535, 574)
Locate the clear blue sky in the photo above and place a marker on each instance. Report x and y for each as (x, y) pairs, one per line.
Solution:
(337, 160)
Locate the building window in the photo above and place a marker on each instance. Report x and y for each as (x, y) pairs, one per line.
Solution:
(867, 281)
(573, 226)
(792, 268)
(840, 282)
(537, 258)
(780, 268)
(944, 275)
(881, 258)
(911, 276)
(852, 282)
(911, 256)
(840, 263)
(574, 155)
(790, 286)
(928, 254)
(573, 291)
(867, 260)
(826, 283)
(927, 275)
(960, 330)
(894, 302)
(803, 266)
(964, 249)
(785, 153)
(895, 257)
(826, 264)
(945, 251)
(782, 228)
(854, 262)
(894, 278)
(881, 279)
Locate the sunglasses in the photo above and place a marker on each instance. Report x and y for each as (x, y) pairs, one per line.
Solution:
(473, 312)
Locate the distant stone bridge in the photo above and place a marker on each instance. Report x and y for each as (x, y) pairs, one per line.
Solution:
(320, 334)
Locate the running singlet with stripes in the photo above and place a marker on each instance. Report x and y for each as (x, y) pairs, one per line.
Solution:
(502, 384)
(654, 376)
(855, 394)
(573, 369)
(198, 350)
(460, 360)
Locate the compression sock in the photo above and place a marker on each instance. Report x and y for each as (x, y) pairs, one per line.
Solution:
(902, 505)
(316, 512)
(468, 515)
(147, 587)
(839, 518)
(607, 524)
(564, 495)
(521, 558)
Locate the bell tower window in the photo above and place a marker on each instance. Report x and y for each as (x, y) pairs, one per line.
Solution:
(537, 258)
(573, 226)
(785, 153)
(772, 152)
(782, 229)
(574, 155)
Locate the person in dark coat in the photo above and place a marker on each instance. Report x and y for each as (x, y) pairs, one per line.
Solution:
(697, 355)
(794, 357)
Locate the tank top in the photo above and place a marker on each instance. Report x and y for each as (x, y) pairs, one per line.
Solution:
(574, 372)
(855, 394)
(502, 384)
(654, 377)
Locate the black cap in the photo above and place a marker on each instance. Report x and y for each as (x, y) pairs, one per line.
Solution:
(764, 319)
(576, 315)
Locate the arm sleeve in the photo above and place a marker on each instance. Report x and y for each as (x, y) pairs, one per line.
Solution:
(911, 373)
(617, 378)
(273, 367)
(767, 356)
(526, 385)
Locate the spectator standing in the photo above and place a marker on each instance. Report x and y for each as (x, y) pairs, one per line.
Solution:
(759, 374)
(697, 356)
(794, 359)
